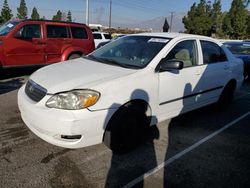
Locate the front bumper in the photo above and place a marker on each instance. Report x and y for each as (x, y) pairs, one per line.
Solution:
(50, 124)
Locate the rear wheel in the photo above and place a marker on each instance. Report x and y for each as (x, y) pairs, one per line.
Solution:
(74, 56)
(126, 130)
(227, 94)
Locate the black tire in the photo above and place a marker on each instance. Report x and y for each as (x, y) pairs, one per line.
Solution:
(227, 95)
(74, 56)
(1, 72)
(126, 130)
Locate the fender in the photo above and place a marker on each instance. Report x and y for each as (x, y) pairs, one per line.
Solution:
(67, 52)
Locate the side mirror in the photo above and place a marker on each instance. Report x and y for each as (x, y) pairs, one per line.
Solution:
(169, 65)
(19, 35)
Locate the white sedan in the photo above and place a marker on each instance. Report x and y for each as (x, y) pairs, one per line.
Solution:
(114, 94)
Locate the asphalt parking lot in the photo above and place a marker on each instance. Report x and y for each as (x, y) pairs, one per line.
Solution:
(209, 147)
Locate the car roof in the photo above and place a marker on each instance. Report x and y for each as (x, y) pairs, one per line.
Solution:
(98, 32)
(175, 35)
(52, 21)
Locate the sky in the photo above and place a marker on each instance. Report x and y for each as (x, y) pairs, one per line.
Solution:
(124, 12)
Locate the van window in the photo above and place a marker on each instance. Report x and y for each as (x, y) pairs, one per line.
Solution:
(78, 33)
(97, 36)
(30, 31)
(56, 31)
(107, 36)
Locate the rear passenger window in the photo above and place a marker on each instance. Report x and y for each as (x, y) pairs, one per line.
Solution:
(79, 33)
(97, 36)
(212, 53)
(107, 36)
(55, 31)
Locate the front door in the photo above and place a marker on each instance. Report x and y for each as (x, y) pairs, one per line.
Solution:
(180, 90)
(26, 47)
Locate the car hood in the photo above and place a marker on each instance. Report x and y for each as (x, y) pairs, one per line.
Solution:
(77, 74)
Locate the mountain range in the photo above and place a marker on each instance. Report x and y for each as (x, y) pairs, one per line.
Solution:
(156, 24)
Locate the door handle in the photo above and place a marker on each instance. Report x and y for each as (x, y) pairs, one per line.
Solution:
(67, 42)
(39, 42)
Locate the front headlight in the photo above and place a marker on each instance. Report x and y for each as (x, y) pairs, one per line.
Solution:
(73, 100)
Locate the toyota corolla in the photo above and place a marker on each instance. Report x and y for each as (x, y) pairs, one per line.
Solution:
(115, 93)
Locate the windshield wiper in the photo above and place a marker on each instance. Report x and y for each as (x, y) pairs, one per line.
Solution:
(114, 62)
(111, 62)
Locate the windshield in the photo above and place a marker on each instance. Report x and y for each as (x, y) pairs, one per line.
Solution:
(7, 27)
(130, 51)
(239, 48)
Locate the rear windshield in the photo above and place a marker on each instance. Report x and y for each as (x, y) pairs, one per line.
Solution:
(7, 27)
(239, 48)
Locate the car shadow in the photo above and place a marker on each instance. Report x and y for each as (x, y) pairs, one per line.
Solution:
(16, 72)
(10, 85)
(12, 79)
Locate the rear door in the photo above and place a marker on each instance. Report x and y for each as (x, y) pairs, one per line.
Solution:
(25, 47)
(57, 40)
(217, 69)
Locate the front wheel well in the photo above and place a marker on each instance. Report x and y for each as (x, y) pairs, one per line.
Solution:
(133, 116)
(136, 104)
(75, 52)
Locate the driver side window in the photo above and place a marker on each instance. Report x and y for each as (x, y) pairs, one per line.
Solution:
(30, 31)
(185, 51)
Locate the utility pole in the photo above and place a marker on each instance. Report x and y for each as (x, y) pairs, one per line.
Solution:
(171, 21)
(110, 12)
(87, 12)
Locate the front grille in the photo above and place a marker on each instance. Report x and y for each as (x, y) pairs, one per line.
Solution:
(35, 91)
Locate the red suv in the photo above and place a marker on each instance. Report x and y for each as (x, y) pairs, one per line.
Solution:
(41, 42)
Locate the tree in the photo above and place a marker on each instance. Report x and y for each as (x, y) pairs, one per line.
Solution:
(248, 26)
(217, 18)
(165, 26)
(35, 15)
(246, 2)
(235, 23)
(6, 12)
(22, 11)
(198, 19)
(69, 16)
(58, 16)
